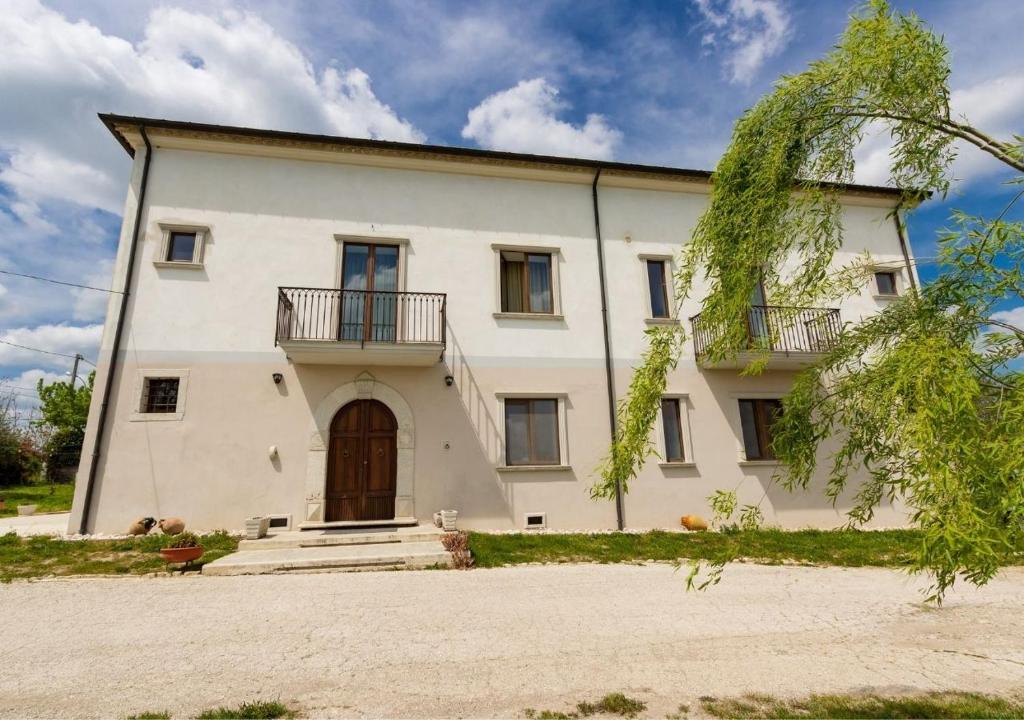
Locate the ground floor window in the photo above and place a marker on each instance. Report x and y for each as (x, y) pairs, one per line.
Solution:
(160, 395)
(671, 420)
(757, 418)
(531, 431)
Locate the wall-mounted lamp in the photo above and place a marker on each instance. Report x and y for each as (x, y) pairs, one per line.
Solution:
(278, 377)
(448, 380)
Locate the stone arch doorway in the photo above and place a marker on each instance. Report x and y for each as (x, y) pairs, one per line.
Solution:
(362, 460)
(364, 387)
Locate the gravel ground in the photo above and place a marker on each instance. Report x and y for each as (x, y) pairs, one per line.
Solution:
(493, 642)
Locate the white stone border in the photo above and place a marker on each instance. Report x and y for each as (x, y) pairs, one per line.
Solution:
(365, 387)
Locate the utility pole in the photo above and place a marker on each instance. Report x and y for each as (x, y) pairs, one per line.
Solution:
(74, 370)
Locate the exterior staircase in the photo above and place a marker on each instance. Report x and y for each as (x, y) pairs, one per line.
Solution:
(386, 548)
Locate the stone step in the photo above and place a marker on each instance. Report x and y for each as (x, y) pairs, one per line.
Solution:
(332, 557)
(327, 538)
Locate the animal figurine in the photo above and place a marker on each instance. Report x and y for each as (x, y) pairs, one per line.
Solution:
(172, 525)
(693, 522)
(141, 526)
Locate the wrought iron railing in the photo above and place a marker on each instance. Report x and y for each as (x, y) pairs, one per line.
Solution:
(777, 329)
(363, 316)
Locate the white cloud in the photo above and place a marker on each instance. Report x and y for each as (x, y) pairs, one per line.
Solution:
(993, 105)
(62, 338)
(1014, 316)
(92, 304)
(231, 68)
(748, 31)
(524, 119)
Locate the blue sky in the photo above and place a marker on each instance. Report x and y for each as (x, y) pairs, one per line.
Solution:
(649, 82)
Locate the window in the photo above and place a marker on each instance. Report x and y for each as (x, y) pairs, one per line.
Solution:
(658, 287)
(181, 246)
(671, 421)
(886, 283)
(531, 432)
(160, 395)
(757, 418)
(526, 283)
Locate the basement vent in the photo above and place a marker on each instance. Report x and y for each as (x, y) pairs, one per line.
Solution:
(281, 522)
(536, 520)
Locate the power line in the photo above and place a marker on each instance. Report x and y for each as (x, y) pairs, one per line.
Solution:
(45, 352)
(61, 282)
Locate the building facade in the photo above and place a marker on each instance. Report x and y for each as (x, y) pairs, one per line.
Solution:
(335, 331)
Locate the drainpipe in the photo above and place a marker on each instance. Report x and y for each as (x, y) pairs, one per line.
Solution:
(901, 232)
(108, 384)
(612, 420)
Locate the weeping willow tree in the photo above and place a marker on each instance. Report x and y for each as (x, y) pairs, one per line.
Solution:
(921, 399)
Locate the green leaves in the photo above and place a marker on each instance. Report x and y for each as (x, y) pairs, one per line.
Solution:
(919, 401)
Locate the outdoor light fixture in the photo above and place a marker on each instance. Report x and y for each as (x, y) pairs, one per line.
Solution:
(448, 380)
(278, 377)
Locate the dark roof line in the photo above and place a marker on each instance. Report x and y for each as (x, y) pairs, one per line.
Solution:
(111, 120)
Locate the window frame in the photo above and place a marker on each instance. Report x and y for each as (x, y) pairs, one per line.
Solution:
(668, 270)
(762, 428)
(562, 435)
(164, 248)
(682, 401)
(139, 413)
(894, 274)
(554, 275)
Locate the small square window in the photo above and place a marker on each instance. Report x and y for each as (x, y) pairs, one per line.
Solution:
(757, 418)
(181, 247)
(658, 286)
(526, 284)
(886, 283)
(160, 395)
(671, 420)
(531, 432)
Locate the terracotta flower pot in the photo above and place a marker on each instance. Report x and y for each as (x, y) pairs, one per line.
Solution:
(181, 555)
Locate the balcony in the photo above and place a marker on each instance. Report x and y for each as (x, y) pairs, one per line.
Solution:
(791, 337)
(328, 326)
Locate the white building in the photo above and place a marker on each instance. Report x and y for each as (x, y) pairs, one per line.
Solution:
(330, 330)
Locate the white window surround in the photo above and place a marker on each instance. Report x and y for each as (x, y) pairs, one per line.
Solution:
(138, 390)
(563, 435)
(670, 271)
(403, 251)
(202, 236)
(897, 275)
(684, 419)
(556, 285)
(542, 525)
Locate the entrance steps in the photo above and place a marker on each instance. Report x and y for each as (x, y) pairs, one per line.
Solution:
(336, 550)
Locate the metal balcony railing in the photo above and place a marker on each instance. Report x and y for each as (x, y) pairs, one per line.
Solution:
(363, 316)
(778, 329)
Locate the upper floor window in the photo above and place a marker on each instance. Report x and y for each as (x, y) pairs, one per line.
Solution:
(885, 283)
(526, 282)
(531, 431)
(757, 418)
(181, 246)
(657, 284)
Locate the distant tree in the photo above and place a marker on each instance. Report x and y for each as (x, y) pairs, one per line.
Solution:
(922, 396)
(63, 412)
(20, 457)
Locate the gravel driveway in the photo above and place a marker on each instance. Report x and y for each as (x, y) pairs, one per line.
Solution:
(493, 642)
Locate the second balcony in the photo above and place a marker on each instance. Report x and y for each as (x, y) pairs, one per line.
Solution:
(360, 327)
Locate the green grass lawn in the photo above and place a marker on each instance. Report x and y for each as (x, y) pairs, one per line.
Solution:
(928, 705)
(44, 556)
(850, 548)
(49, 498)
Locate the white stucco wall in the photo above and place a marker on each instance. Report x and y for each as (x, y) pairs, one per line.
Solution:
(275, 221)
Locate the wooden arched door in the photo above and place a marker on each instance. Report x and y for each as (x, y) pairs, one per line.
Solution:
(362, 463)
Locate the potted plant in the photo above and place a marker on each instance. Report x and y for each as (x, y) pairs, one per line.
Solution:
(183, 548)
